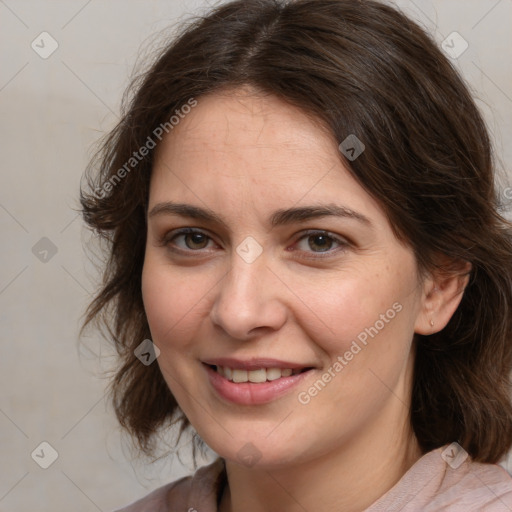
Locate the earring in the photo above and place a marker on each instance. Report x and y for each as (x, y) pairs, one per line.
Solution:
(432, 323)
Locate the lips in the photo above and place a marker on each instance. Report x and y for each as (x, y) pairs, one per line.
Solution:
(254, 381)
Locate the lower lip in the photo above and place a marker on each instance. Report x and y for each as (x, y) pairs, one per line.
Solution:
(250, 393)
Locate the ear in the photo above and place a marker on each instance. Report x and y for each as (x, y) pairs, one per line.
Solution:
(442, 292)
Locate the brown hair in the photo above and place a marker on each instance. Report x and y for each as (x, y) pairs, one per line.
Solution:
(362, 68)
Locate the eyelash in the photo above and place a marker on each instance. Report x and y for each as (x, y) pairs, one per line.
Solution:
(170, 237)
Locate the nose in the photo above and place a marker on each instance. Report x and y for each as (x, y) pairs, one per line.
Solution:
(249, 300)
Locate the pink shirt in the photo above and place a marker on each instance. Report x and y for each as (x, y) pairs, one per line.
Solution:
(430, 485)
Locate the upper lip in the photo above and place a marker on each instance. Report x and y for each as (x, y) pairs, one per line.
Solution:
(255, 363)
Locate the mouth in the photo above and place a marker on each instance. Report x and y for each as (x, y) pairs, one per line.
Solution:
(256, 375)
(254, 382)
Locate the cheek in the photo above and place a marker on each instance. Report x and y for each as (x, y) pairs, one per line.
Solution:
(341, 308)
(173, 299)
(364, 315)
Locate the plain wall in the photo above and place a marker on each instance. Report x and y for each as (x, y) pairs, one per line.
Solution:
(51, 112)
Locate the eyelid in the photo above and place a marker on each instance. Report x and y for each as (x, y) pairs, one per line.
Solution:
(169, 236)
(342, 241)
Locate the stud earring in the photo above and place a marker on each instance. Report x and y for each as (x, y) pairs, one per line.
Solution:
(432, 323)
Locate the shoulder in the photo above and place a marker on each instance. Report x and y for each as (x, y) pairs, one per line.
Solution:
(199, 490)
(446, 479)
(475, 486)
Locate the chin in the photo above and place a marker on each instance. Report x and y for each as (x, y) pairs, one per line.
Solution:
(260, 452)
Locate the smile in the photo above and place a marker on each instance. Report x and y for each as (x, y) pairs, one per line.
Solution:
(258, 375)
(256, 385)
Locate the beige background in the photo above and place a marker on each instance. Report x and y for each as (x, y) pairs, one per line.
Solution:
(51, 111)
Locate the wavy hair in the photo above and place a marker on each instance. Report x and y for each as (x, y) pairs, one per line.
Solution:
(364, 68)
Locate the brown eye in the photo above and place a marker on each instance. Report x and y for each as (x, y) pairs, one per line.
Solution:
(187, 240)
(322, 242)
(195, 240)
(317, 242)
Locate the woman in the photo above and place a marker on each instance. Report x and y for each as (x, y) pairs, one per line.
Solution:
(301, 215)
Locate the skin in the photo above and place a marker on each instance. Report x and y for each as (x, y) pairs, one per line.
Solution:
(244, 156)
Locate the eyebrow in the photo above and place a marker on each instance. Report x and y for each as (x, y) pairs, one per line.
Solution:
(278, 218)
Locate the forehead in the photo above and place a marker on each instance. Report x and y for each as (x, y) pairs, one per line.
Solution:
(241, 144)
(243, 122)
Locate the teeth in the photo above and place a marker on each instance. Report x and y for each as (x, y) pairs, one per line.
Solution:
(240, 376)
(273, 373)
(256, 376)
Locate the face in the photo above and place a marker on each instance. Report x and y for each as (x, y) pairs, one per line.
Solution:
(263, 252)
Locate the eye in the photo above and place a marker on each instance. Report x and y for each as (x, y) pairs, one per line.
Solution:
(187, 240)
(321, 242)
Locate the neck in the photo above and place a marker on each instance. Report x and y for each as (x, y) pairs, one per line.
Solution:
(350, 478)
